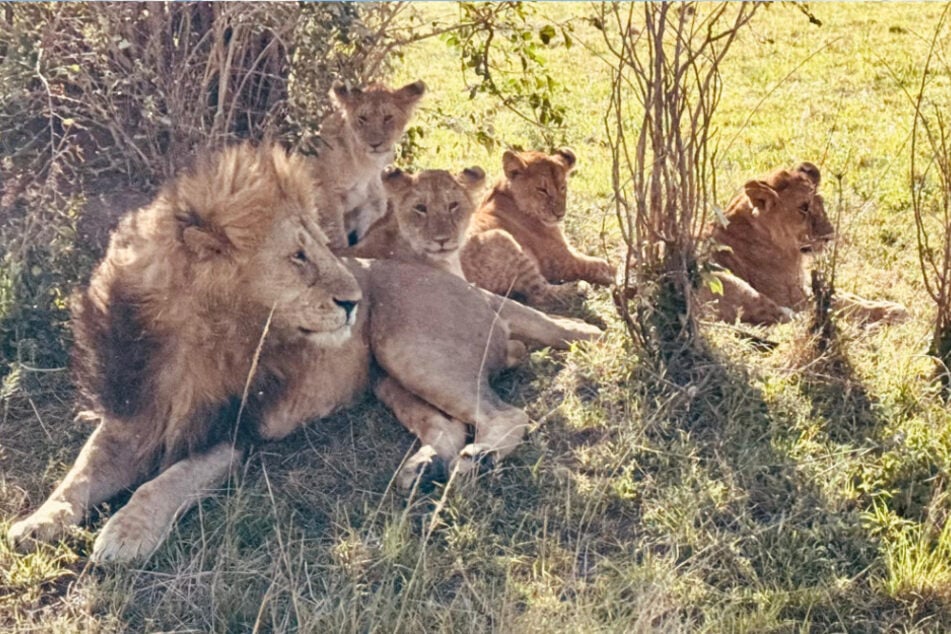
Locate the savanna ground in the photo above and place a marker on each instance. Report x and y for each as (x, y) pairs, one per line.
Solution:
(784, 491)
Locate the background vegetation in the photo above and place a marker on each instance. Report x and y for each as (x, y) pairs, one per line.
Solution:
(779, 490)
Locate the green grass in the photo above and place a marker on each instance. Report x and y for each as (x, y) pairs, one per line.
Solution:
(788, 492)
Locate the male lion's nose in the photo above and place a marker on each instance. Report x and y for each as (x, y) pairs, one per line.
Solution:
(347, 305)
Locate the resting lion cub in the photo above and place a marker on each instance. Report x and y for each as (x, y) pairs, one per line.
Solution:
(355, 145)
(516, 245)
(426, 220)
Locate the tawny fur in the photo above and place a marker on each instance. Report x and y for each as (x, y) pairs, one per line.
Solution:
(219, 316)
(427, 218)
(355, 143)
(765, 246)
(516, 244)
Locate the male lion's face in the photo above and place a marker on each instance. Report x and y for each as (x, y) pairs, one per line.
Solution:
(378, 115)
(433, 208)
(539, 182)
(313, 295)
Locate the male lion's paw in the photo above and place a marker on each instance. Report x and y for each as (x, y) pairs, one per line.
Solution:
(425, 466)
(49, 523)
(475, 457)
(128, 536)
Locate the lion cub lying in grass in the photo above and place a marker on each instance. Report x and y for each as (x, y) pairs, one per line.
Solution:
(516, 245)
(219, 317)
(426, 220)
(355, 144)
(772, 229)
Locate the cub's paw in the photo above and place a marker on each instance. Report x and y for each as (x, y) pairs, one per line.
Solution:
(476, 457)
(604, 273)
(50, 522)
(129, 535)
(424, 466)
(562, 295)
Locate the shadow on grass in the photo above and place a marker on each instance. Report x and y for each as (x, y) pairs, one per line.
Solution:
(771, 524)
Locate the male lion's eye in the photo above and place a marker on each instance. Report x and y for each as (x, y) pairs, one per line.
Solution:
(387, 118)
(299, 257)
(542, 190)
(421, 208)
(453, 206)
(362, 120)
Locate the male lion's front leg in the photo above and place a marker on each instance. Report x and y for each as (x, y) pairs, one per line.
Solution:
(107, 464)
(441, 437)
(139, 527)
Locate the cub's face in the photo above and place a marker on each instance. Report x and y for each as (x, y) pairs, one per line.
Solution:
(790, 199)
(313, 295)
(539, 182)
(433, 207)
(378, 115)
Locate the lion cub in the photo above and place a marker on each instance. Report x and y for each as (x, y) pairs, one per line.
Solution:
(516, 245)
(355, 144)
(426, 220)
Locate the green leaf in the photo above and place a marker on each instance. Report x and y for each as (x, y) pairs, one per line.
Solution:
(546, 33)
(714, 283)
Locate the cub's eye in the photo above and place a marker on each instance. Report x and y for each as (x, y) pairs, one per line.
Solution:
(453, 206)
(388, 118)
(804, 208)
(299, 257)
(362, 120)
(421, 208)
(542, 191)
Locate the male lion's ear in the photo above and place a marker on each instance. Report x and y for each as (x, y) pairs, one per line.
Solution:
(761, 195)
(472, 178)
(395, 179)
(409, 94)
(204, 244)
(566, 157)
(512, 164)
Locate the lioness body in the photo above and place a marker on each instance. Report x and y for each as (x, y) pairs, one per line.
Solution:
(355, 144)
(516, 244)
(219, 316)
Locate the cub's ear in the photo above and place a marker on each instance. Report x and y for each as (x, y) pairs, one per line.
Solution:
(811, 172)
(472, 178)
(409, 94)
(566, 157)
(763, 197)
(512, 164)
(344, 96)
(204, 244)
(396, 180)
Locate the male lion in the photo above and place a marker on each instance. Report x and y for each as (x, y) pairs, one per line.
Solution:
(771, 230)
(355, 143)
(516, 244)
(426, 220)
(219, 316)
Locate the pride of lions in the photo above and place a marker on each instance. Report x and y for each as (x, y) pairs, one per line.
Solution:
(262, 289)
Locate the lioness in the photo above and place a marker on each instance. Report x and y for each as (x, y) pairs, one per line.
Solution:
(219, 317)
(353, 147)
(426, 220)
(772, 228)
(516, 244)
